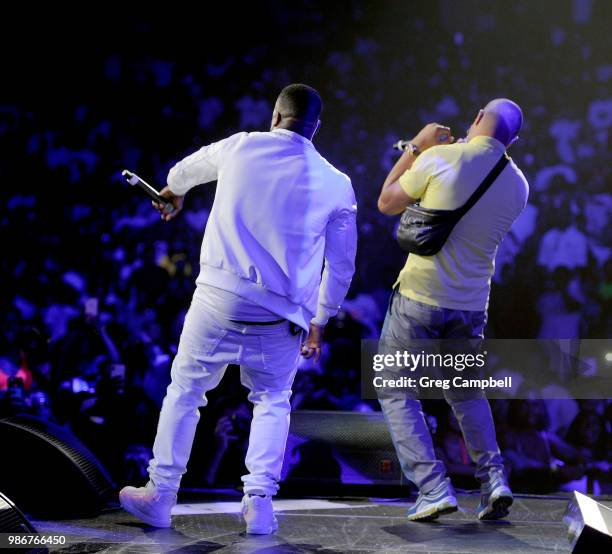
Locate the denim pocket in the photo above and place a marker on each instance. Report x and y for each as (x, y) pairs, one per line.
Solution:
(209, 344)
(280, 351)
(202, 332)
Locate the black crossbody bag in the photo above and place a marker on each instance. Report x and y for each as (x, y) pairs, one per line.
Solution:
(424, 231)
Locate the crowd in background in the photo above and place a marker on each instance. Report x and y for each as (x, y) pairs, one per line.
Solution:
(95, 287)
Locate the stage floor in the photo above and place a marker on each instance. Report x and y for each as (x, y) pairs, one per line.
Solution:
(339, 526)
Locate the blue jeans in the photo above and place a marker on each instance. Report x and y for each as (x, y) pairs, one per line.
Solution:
(408, 320)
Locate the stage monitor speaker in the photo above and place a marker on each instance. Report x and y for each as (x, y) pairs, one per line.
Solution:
(334, 447)
(49, 473)
(12, 520)
(589, 525)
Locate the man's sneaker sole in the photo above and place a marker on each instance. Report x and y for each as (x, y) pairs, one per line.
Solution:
(498, 509)
(127, 505)
(443, 508)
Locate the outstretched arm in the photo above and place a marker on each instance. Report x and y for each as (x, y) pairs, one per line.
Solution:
(200, 167)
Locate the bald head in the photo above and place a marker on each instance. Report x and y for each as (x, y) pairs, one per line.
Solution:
(501, 119)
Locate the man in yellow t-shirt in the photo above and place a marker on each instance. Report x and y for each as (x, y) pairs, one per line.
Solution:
(445, 296)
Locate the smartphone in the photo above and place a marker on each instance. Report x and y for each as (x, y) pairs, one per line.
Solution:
(91, 307)
(117, 371)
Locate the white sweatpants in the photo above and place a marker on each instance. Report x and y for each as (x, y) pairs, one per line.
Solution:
(268, 357)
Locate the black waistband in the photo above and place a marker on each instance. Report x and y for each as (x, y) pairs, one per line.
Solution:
(275, 322)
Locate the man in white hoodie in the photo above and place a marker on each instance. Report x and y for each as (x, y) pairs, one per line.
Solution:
(281, 214)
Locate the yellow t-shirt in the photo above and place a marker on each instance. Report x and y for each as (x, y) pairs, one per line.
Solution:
(443, 177)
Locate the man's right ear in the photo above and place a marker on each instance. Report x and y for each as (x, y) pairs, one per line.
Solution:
(276, 118)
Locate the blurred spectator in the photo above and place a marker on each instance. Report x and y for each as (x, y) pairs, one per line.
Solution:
(539, 461)
(231, 439)
(559, 307)
(589, 435)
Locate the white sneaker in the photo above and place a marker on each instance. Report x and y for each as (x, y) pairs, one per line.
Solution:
(495, 499)
(148, 504)
(259, 515)
(438, 502)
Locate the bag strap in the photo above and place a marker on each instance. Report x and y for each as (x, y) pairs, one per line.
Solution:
(484, 186)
